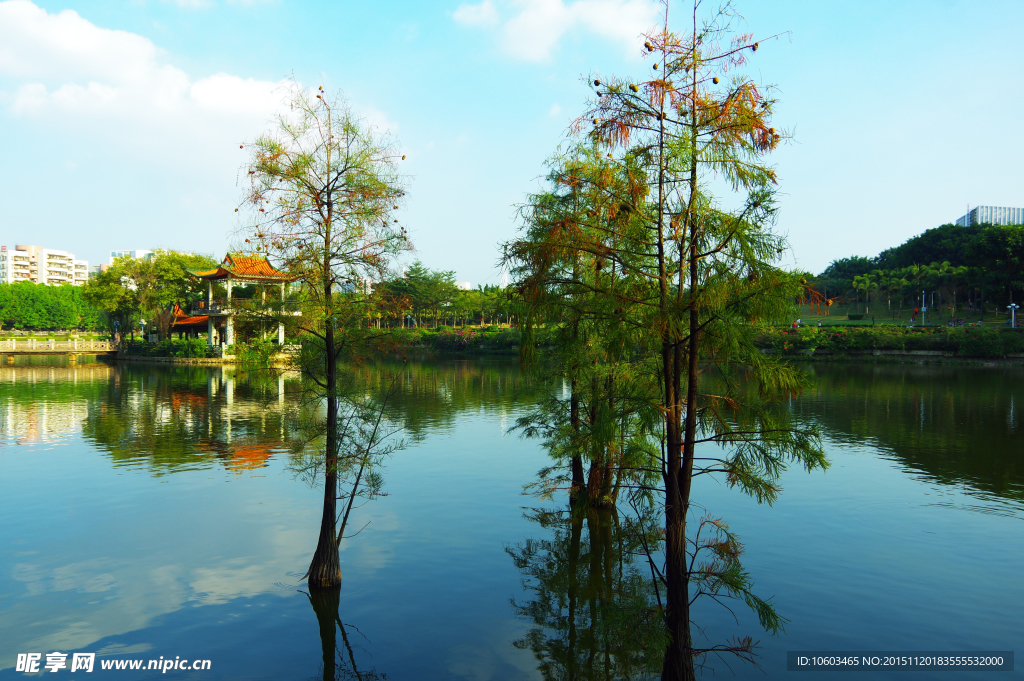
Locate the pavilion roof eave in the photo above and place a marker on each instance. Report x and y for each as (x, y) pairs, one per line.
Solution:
(246, 268)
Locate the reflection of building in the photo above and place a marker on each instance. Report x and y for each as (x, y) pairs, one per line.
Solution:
(239, 270)
(31, 420)
(41, 266)
(993, 215)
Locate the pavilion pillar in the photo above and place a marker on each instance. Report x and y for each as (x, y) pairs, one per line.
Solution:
(280, 334)
(229, 290)
(229, 330)
(209, 293)
(209, 331)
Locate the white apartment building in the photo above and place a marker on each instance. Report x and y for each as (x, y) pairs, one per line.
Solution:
(41, 266)
(994, 215)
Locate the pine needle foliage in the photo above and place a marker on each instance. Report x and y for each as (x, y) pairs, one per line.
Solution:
(657, 288)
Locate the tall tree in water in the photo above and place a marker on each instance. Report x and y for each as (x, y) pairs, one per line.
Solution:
(324, 189)
(691, 281)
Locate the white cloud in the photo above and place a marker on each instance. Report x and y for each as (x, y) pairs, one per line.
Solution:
(554, 110)
(482, 15)
(69, 72)
(537, 26)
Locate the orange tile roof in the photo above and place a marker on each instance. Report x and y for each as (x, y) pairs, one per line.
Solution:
(198, 319)
(181, 319)
(244, 267)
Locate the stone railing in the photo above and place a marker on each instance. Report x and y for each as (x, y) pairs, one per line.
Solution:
(11, 345)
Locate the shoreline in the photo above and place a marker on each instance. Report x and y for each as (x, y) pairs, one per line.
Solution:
(874, 356)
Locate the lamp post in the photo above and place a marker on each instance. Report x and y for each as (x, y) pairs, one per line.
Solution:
(924, 309)
(1012, 307)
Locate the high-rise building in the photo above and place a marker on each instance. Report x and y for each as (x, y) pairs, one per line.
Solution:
(41, 266)
(993, 215)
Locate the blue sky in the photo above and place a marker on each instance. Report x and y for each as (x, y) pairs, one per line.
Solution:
(120, 120)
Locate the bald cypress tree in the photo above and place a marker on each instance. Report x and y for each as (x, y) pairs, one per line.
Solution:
(631, 243)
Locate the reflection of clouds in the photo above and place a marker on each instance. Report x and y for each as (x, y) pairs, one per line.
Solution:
(48, 614)
(493, 656)
(369, 558)
(79, 577)
(231, 579)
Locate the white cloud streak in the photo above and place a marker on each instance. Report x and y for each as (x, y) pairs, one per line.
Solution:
(533, 28)
(67, 71)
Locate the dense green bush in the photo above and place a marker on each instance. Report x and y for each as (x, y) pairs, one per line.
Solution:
(169, 347)
(26, 305)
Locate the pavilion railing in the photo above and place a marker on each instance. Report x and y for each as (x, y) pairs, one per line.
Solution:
(222, 305)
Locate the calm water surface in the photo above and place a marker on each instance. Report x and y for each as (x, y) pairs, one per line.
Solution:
(150, 511)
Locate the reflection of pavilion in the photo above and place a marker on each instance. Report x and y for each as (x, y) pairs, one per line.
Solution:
(240, 270)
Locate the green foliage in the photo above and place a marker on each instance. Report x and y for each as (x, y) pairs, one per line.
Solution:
(131, 290)
(656, 292)
(256, 353)
(431, 297)
(26, 305)
(983, 262)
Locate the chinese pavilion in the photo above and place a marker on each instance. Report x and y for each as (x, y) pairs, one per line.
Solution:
(235, 270)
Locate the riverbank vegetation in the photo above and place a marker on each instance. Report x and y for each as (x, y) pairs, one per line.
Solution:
(960, 342)
(963, 272)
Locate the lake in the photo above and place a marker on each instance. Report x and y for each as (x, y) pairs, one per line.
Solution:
(152, 512)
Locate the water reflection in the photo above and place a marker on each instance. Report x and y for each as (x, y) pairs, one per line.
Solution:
(955, 425)
(46, 403)
(592, 602)
(338, 660)
(186, 418)
(434, 394)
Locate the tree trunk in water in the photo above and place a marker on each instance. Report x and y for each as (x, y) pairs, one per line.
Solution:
(576, 524)
(678, 663)
(325, 570)
(577, 461)
(325, 605)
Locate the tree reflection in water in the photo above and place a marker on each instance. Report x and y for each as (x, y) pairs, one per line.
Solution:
(593, 602)
(338, 662)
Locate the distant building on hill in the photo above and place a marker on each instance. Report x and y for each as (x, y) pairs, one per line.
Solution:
(41, 266)
(993, 215)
